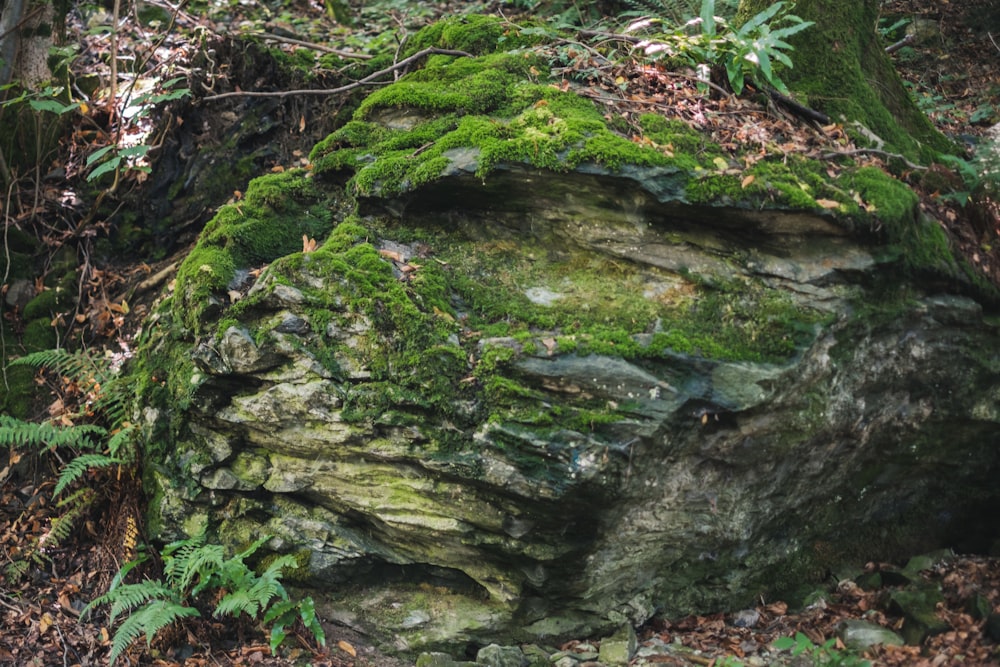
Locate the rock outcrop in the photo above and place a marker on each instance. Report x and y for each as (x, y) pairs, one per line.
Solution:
(509, 397)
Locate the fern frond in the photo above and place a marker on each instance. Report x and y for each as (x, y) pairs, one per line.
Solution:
(16, 569)
(202, 566)
(62, 525)
(21, 433)
(75, 469)
(237, 602)
(77, 365)
(116, 582)
(147, 621)
(130, 596)
(121, 444)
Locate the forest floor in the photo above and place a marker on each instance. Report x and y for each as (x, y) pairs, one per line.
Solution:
(42, 598)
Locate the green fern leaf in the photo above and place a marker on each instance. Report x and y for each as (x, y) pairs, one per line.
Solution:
(130, 596)
(122, 443)
(237, 602)
(76, 468)
(148, 620)
(21, 433)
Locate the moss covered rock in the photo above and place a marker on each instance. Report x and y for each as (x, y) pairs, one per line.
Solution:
(494, 372)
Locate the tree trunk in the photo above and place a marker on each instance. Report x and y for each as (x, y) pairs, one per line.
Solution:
(842, 69)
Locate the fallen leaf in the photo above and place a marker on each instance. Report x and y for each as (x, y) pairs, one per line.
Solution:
(44, 623)
(308, 244)
(828, 203)
(747, 181)
(347, 648)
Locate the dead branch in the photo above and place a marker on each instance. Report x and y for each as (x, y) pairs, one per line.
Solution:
(310, 45)
(892, 48)
(351, 86)
(872, 151)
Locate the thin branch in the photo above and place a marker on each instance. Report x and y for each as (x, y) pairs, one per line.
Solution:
(872, 151)
(351, 86)
(892, 48)
(310, 45)
(990, 34)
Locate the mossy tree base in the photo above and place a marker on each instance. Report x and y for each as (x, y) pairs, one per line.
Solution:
(840, 67)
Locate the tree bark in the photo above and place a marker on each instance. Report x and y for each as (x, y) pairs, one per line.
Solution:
(841, 68)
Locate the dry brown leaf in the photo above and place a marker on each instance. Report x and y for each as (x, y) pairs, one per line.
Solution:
(308, 244)
(347, 648)
(747, 180)
(828, 203)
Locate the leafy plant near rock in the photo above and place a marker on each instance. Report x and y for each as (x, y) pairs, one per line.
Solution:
(744, 53)
(88, 445)
(194, 570)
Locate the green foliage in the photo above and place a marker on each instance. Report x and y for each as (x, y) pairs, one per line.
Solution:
(981, 173)
(192, 568)
(745, 53)
(92, 446)
(675, 11)
(823, 655)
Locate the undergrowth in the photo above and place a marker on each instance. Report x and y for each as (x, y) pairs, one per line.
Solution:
(194, 570)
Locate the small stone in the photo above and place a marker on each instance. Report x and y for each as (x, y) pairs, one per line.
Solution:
(746, 618)
(435, 660)
(918, 606)
(619, 648)
(495, 655)
(415, 618)
(535, 656)
(859, 635)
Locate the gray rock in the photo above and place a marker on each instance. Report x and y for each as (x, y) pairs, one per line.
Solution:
(619, 648)
(723, 399)
(860, 635)
(495, 655)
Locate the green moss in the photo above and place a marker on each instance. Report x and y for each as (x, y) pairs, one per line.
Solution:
(487, 104)
(474, 34)
(922, 244)
(277, 212)
(841, 70)
(678, 137)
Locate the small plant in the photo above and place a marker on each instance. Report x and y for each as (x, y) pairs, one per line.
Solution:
(824, 655)
(746, 53)
(192, 568)
(92, 446)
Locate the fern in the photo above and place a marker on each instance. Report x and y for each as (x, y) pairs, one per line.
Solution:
(191, 567)
(21, 433)
(72, 508)
(76, 468)
(130, 596)
(92, 372)
(148, 620)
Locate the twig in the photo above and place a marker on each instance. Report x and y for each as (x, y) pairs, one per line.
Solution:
(872, 151)
(310, 45)
(993, 41)
(798, 109)
(357, 84)
(892, 48)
